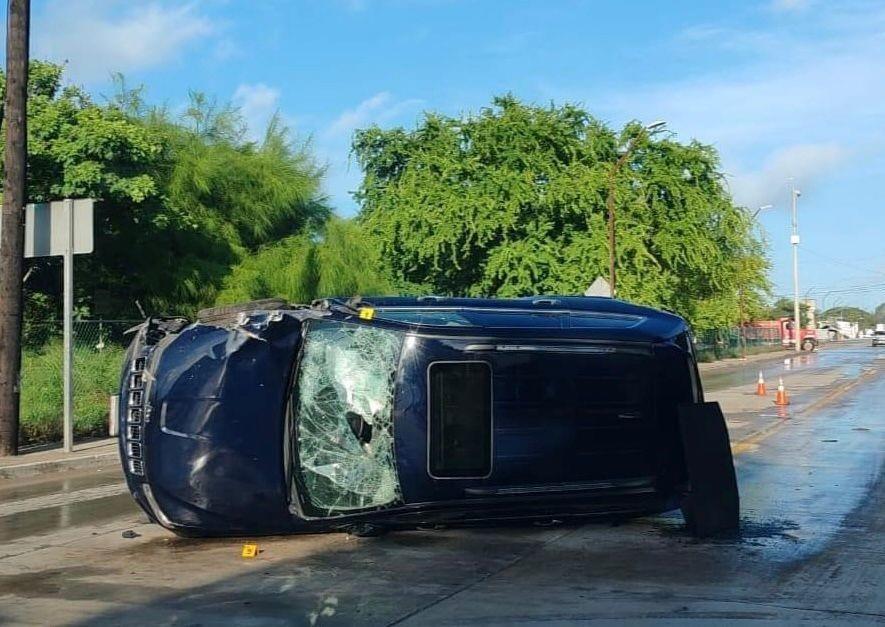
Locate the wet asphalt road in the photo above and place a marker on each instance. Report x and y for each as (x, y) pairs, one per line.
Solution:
(850, 357)
(812, 545)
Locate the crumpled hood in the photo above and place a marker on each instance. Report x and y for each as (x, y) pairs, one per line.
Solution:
(214, 449)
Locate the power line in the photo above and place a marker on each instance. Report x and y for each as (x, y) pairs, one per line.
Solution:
(847, 264)
(870, 287)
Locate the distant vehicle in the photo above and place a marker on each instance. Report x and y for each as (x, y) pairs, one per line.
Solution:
(879, 338)
(783, 329)
(403, 412)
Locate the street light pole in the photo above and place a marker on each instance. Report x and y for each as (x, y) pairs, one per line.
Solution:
(610, 203)
(794, 240)
(761, 209)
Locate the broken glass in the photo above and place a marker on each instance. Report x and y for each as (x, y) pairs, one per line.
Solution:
(344, 417)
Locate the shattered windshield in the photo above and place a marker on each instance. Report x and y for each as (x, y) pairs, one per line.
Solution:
(344, 417)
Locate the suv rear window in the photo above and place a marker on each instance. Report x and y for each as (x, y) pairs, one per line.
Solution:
(460, 419)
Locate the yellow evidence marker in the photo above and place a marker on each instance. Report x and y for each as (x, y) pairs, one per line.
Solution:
(367, 313)
(250, 550)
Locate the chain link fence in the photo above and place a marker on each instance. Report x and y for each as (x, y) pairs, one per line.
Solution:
(99, 346)
(724, 343)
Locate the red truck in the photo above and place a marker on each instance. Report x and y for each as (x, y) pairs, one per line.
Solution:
(781, 329)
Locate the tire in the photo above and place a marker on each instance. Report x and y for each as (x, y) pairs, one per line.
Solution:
(228, 312)
(712, 505)
(808, 344)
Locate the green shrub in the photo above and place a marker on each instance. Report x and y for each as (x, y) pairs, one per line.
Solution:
(342, 261)
(96, 376)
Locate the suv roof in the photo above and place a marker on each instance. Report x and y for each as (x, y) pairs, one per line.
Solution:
(582, 316)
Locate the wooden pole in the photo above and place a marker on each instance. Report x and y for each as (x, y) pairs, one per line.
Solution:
(610, 205)
(12, 233)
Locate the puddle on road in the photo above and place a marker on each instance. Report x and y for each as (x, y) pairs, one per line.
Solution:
(44, 583)
(851, 359)
(62, 483)
(51, 519)
(751, 533)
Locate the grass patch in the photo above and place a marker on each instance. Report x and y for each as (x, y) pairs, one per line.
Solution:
(96, 376)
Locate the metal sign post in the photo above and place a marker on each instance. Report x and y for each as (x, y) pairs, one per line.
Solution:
(69, 328)
(62, 228)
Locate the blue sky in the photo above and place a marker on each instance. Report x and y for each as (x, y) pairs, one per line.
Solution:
(783, 88)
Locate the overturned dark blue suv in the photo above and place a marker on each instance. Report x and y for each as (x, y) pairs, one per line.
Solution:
(376, 414)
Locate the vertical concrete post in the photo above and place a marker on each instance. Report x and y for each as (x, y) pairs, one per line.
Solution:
(113, 411)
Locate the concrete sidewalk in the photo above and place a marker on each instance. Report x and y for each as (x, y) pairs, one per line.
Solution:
(43, 459)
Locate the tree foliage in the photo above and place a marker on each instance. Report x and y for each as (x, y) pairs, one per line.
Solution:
(301, 268)
(512, 202)
(182, 200)
(784, 308)
(862, 317)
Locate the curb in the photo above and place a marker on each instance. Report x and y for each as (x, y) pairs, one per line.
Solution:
(19, 471)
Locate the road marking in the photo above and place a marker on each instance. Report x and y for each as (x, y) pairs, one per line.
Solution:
(64, 498)
(750, 442)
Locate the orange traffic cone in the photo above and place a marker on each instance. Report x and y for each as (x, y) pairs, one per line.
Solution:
(760, 385)
(781, 397)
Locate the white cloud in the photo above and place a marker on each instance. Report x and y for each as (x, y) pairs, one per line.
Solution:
(802, 165)
(771, 103)
(789, 6)
(377, 109)
(226, 49)
(333, 146)
(257, 102)
(798, 107)
(357, 116)
(97, 37)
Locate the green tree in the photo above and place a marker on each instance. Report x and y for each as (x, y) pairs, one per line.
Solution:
(512, 202)
(783, 308)
(879, 314)
(181, 200)
(864, 318)
(341, 261)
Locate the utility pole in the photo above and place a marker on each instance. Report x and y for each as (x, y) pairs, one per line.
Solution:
(12, 224)
(610, 201)
(741, 291)
(794, 240)
(610, 205)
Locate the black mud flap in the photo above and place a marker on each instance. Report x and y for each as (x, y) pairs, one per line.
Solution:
(712, 505)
